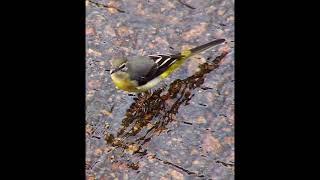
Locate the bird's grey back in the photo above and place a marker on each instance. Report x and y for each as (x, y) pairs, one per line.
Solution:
(139, 67)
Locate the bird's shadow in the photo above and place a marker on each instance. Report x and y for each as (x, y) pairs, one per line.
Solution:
(151, 112)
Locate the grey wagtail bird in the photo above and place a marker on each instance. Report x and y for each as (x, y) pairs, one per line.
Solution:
(141, 73)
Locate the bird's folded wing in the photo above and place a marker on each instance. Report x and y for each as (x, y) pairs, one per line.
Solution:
(162, 63)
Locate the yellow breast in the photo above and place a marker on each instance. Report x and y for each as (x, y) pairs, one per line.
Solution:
(123, 83)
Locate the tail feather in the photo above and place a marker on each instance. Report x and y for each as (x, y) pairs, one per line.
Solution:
(206, 46)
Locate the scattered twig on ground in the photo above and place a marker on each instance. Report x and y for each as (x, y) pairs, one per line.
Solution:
(106, 6)
(186, 4)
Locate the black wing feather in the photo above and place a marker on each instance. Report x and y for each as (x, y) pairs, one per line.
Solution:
(162, 63)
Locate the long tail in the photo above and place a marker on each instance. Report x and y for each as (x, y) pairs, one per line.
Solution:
(181, 57)
(198, 49)
(206, 46)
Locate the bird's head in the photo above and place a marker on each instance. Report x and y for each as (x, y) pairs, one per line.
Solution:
(118, 65)
(120, 76)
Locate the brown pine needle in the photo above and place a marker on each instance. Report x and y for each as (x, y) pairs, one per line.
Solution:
(106, 6)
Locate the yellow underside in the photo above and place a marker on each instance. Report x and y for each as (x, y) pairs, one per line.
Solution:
(124, 83)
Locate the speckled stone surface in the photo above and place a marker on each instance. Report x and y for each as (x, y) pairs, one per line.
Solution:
(181, 129)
